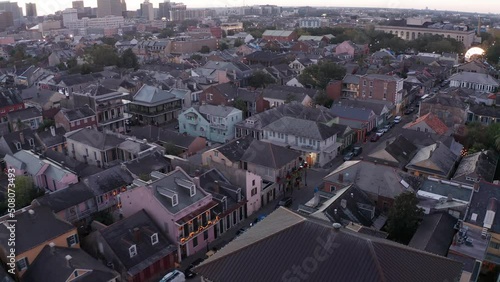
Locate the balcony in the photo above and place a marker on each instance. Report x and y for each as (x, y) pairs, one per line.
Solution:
(81, 215)
(109, 106)
(218, 126)
(152, 112)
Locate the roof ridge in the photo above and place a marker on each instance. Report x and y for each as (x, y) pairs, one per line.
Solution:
(373, 254)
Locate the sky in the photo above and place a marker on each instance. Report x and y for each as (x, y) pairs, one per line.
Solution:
(483, 6)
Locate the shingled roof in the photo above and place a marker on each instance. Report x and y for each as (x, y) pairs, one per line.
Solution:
(272, 247)
(432, 121)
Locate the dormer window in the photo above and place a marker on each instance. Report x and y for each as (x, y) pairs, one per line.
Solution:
(18, 145)
(132, 251)
(32, 142)
(192, 191)
(154, 239)
(175, 201)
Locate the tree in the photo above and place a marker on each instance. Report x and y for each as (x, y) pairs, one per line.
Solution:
(240, 105)
(260, 79)
(103, 55)
(493, 54)
(25, 191)
(129, 60)
(290, 98)
(20, 125)
(238, 42)
(404, 217)
(47, 123)
(171, 149)
(319, 75)
(166, 33)
(223, 46)
(196, 57)
(111, 41)
(104, 217)
(205, 49)
(323, 100)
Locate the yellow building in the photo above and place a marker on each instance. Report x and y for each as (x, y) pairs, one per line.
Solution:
(21, 241)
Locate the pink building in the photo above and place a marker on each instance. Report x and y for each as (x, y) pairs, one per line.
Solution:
(184, 212)
(45, 174)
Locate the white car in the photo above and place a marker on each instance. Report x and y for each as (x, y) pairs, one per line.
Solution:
(397, 119)
(380, 133)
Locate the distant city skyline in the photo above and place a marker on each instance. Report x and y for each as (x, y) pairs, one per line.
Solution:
(479, 6)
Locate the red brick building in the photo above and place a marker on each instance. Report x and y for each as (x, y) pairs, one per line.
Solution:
(334, 90)
(10, 101)
(304, 46)
(383, 88)
(75, 119)
(280, 35)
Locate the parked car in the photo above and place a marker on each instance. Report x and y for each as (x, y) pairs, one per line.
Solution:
(380, 132)
(357, 150)
(188, 273)
(375, 138)
(348, 156)
(386, 128)
(174, 276)
(285, 202)
(397, 119)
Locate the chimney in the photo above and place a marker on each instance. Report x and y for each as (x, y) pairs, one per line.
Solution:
(476, 187)
(52, 248)
(341, 177)
(450, 198)
(336, 227)
(53, 130)
(123, 166)
(196, 181)
(137, 234)
(21, 137)
(68, 261)
(216, 187)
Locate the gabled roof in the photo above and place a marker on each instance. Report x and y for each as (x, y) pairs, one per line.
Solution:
(434, 159)
(52, 266)
(9, 97)
(435, 233)
(75, 79)
(432, 121)
(272, 247)
(302, 128)
(147, 164)
(375, 106)
(112, 178)
(485, 199)
(217, 111)
(373, 178)
(24, 114)
(216, 184)
(269, 155)
(78, 113)
(473, 77)
(155, 134)
(283, 92)
(63, 199)
(351, 79)
(33, 164)
(94, 138)
(235, 149)
(15, 137)
(37, 229)
(352, 112)
(480, 165)
(400, 150)
(120, 237)
(49, 140)
(284, 33)
(481, 110)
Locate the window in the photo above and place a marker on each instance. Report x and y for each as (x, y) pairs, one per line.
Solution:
(154, 239)
(85, 120)
(78, 122)
(364, 82)
(95, 155)
(385, 94)
(195, 241)
(216, 153)
(75, 273)
(18, 145)
(254, 191)
(72, 123)
(87, 151)
(93, 118)
(253, 182)
(371, 83)
(72, 240)
(132, 251)
(234, 217)
(371, 94)
(205, 235)
(22, 264)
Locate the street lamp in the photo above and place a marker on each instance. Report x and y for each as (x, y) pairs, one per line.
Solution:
(303, 165)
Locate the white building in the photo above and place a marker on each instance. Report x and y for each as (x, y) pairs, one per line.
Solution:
(310, 22)
(69, 15)
(147, 11)
(472, 80)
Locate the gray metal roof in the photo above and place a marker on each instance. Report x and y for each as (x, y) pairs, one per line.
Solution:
(218, 111)
(302, 128)
(473, 77)
(285, 241)
(28, 113)
(152, 95)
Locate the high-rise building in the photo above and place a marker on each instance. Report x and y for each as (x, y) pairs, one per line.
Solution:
(124, 6)
(31, 10)
(164, 10)
(109, 8)
(147, 11)
(177, 12)
(79, 6)
(15, 11)
(69, 15)
(6, 20)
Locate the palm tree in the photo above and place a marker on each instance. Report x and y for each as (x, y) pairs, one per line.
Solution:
(20, 125)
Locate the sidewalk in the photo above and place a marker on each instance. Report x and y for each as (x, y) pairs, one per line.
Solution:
(230, 234)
